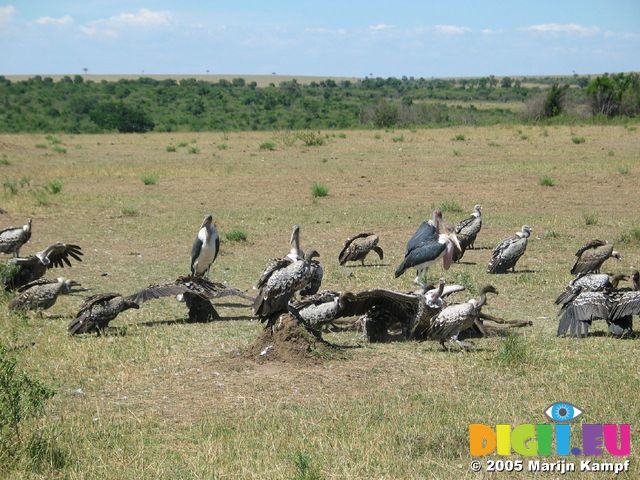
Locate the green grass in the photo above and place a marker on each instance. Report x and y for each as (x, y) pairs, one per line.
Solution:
(578, 140)
(10, 186)
(182, 144)
(623, 170)
(632, 236)
(194, 150)
(41, 198)
(459, 138)
(450, 206)
(54, 186)
(59, 149)
(42, 145)
(129, 211)
(222, 146)
(268, 145)
(398, 139)
(319, 190)
(149, 179)
(590, 218)
(546, 181)
(4, 161)
(236, 236)
(160, 398)
(171, 148)
(311, 138)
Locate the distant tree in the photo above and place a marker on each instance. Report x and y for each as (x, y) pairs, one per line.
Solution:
(506, 82)
(386, 114)
(605, 93)
(119, 116)
(553, 102)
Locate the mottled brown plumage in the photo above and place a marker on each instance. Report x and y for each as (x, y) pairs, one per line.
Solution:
(592, 255)
(358, 247)
(42, 294)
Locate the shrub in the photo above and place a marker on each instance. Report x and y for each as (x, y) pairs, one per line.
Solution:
(222, 146)
(319, 190)
(311, 139)
(632, 236)
(182, 144)
(41, 198)
(513, 350)
(554, 100)
(23, 397)
(236, 236)
(590, 218)
(41, 145)
(377, 136)
(624, 170)
(459, 138)
(53, 139)
(54, 186)
(386, 114)
(193, 150)
(577, 140)
(342, 135)
(119, 116)
(129, 212)
(546, 181)
(267, 146)
(4, 160)
(149, 179)
(25, 182)
(10, 185)
(59, 149)
(171, 148)
(450, 206)
(398, 139)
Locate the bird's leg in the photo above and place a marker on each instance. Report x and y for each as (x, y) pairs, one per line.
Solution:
(419, 276)
(463, 346)
(444, 347)
(362, 260)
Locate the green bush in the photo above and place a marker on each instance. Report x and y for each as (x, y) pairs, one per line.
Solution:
(450, 206)
(129, 212)
(149, 179)
(54, 186)
(590, 218)
(236, 236)
(119, 116)
(319, 190)
(22, 397)
(459, 138)
(577, 140)
(546, 181)
(171, 148)
(311, 139)
(267, 146)
(194, 150)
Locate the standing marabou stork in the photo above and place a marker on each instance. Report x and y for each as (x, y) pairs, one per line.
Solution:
(205, 247)
(97, 311)
(508, 252)
(42, 294)
(592, 255)
(428, 245)
(358, 247)
(467, 231)
(27, 269)
(12, 238)
(456, 318)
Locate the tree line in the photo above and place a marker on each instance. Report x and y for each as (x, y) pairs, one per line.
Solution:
(76, 105)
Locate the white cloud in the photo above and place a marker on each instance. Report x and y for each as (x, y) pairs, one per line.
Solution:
(111, 27)
(451, 29)
(381, 26)
(66, 20)
(6, 13)
(562, 28)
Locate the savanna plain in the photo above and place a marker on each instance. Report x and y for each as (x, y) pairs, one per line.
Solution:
(159, 398)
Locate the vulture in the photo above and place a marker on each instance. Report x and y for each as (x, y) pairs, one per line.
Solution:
(97, 311)
(615, 305)
(275, 264)
(467, 231)
(428, 245)
(378, 309)
(358, 247)
(456, 318)
(595, 282)
(23, 270)
(205, 247)
(195, 291)
(508, 252)
(274, 295)
(42, 294)
(592, 255)
(12, 238)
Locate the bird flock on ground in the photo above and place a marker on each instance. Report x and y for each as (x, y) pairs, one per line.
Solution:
(290, 285)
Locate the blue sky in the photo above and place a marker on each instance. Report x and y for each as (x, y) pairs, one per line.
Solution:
(333, 38)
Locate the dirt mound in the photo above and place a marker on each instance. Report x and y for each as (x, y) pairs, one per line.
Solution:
(290, 342)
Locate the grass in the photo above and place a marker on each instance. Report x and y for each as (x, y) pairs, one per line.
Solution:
(397, 139)
(450, 206)
(129, 212)
(182, 144)
(41, 198)
(10, 186)
(236, 236)
(319, 190)
(623, 170)
(632, 236)
(268, 145)
(171, 148)
(4, 161)
(54, 186)
(546, 181)
(578, 140)
(149, 179)
(59, 149)
(194, 150)
(311, 138)
(459, 137)
(222, 146)
(590, 218)
(164, 399)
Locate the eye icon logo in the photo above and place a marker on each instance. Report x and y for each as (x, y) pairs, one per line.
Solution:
(562, 412)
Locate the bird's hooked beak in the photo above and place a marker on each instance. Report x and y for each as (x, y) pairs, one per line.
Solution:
(312, 254)
(73, 283)
(454, 238)
(207, 221)
(616, 254)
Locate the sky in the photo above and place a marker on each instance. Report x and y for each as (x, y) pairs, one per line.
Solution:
(386, 38)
